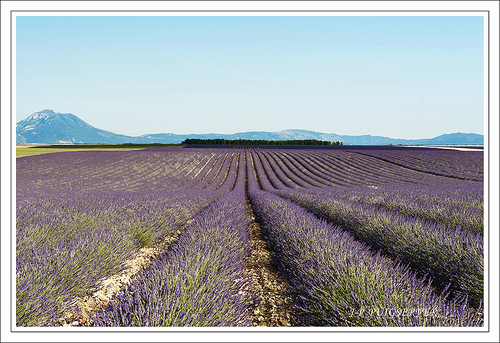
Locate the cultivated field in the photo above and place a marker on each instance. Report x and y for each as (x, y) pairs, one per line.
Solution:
(326, 236)
(29, 150)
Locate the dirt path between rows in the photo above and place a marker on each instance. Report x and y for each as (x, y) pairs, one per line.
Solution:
(90, 305)
(274, 307)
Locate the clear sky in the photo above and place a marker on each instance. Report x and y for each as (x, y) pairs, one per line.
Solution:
(401, 77)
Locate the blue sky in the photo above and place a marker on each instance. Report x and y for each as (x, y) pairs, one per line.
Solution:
(401, 76)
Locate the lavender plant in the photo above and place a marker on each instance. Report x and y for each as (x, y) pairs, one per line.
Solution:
(459, 205)
(465, 165)
(73, 229)
(71, 242)
(200, 281)
(337, 281)
(449, 255)
(80, 215)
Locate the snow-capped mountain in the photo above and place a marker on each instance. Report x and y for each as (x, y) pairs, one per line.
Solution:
(51, 127)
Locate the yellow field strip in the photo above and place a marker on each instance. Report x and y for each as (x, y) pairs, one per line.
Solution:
(24, 151)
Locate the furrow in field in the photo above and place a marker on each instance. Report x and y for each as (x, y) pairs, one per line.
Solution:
(230, 167)
(99, 300)
(223, 171)
(178, 165)
(274, 307)
(237, 179)
(211, 173)
(272, 169)
(290, 171)
(183, 168)
(198, 168)
(237, 167)
(346, 163)
(223, 166)
(187, 168)
(392, 173)
(431, 170)
(191, 182)
(333, 169)
(303, 172)
(450, 256)
(318, 169)
(254, 169)
(327, 168)
(287, 179)
(266, 178)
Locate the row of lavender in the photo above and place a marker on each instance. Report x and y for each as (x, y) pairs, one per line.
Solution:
(180, 169)
(65, 245)
(465, 165)
(102, 170)
(443, 240)
(449, 255)
(200, 281)
(150, 169)
(458, 205)
(313, 169)
(200, 179)
(69, 239)
(337, 281)
(448, 200)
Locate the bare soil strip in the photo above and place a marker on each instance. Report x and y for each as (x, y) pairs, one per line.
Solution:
(227, 171)
(237, 168)
(254, 171)
(218, 171)
(201, 160)
(90, 305)
(274, 307)
(205, 166)
(451, 147)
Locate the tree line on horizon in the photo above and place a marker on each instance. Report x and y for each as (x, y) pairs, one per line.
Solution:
(222, 141)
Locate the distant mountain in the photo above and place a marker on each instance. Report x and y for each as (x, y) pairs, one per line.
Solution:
(50, 127)
(280, 135)
(457, 138)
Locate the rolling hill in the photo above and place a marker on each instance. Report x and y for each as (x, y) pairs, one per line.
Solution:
(51, 127)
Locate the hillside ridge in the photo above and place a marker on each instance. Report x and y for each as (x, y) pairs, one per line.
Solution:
(50, 127)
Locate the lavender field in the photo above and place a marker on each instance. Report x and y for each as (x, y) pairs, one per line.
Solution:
(356, 236)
